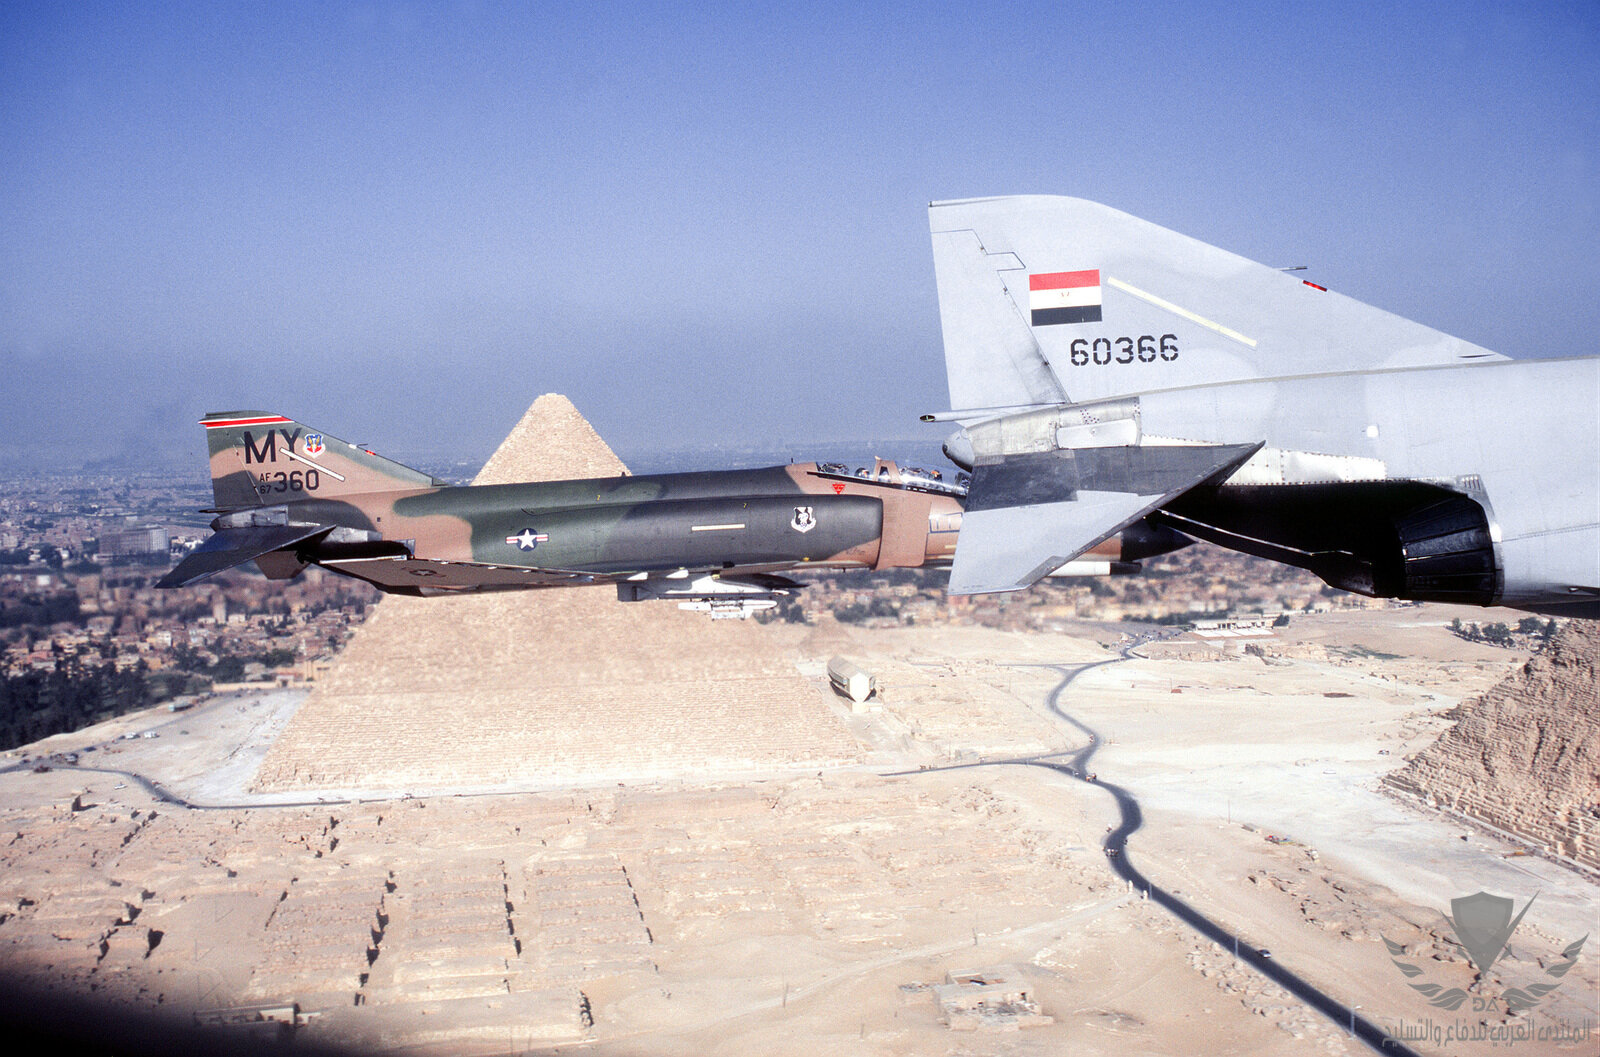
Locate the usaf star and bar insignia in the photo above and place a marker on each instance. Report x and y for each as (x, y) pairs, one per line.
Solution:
(527, 539)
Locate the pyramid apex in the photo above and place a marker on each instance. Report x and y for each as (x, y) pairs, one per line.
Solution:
(552, 442)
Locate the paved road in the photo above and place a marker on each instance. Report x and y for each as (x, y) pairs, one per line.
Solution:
(1116, 846)
(1076, 765)
(56, 761)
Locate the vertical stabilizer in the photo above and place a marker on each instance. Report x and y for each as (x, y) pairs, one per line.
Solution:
(258, 458)
(991, 356)
(1042, 295)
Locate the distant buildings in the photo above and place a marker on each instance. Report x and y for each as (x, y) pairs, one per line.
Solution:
(79, 552)
(141, 543)
(1200, 583)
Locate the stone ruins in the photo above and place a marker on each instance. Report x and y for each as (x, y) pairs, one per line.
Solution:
(556, 686)
(1525, 757)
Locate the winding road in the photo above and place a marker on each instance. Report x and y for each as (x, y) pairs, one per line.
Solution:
(1076, 766)
(1073, 765)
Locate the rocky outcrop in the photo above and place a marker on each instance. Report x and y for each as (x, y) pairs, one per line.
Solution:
(1525, 757)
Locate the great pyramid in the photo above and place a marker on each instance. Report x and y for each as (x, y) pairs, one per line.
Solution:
(1525, 757)
(553, 686)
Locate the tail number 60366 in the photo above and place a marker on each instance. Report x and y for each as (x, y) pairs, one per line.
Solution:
(1146, 348)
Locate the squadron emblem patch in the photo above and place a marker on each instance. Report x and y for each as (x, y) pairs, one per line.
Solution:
(804, 519)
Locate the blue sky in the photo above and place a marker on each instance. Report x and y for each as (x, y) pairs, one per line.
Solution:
(402, 222)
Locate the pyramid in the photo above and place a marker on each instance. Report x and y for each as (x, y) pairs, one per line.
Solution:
(556, 686)
(1525, 756)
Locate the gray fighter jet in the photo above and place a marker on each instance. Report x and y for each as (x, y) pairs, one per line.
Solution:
(1107, 372)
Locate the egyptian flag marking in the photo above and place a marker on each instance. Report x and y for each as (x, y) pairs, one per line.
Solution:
(1064, 297)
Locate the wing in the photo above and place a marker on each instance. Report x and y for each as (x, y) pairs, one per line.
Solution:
(403, 574)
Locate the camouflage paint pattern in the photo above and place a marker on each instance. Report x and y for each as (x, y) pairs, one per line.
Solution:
(350, 510)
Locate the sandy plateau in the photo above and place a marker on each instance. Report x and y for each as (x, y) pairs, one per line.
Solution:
(814, 913)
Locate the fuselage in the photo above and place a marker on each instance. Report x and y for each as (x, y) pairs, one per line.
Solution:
(1348, 458)
(615, 528)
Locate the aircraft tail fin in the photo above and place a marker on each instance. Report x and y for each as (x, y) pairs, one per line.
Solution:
(260, 459)
(1044, 299)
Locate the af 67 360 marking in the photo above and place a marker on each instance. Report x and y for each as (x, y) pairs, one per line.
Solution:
(293, 481)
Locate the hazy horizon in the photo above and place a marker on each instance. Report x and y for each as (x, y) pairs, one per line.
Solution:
(708, 227)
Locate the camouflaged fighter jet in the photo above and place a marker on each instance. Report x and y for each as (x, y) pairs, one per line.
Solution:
(288, 496)
(1110, 373)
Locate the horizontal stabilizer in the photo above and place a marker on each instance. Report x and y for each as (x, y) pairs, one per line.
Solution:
(235, 546)
(1029, 514)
